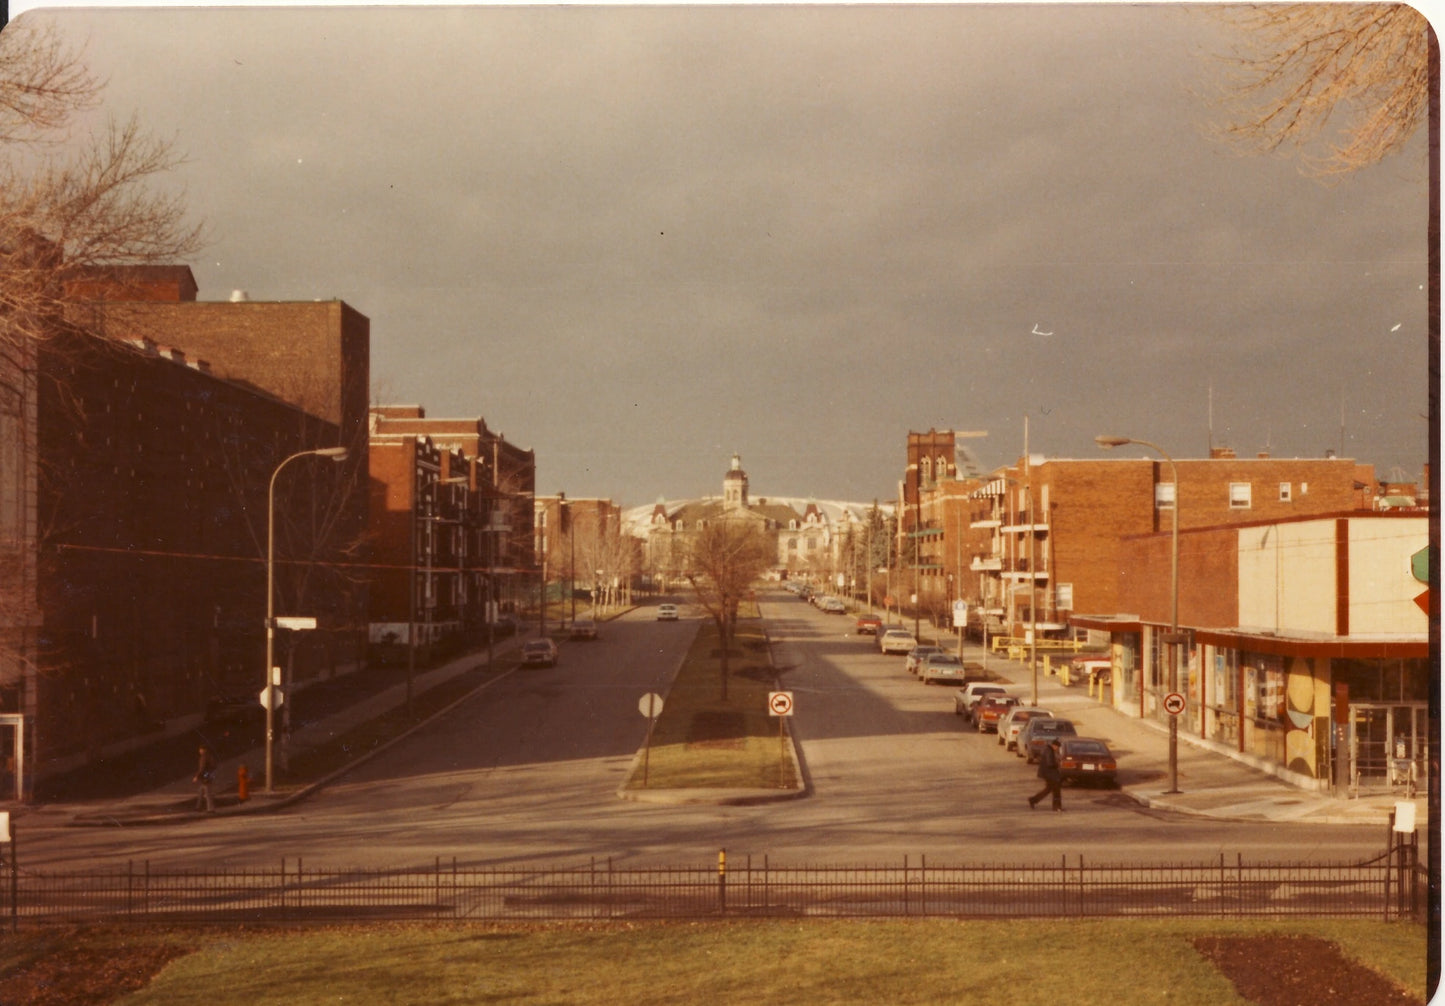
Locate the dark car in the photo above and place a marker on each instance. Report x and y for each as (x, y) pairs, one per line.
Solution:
(1086, 759)
(867, 625)
(234, 709)
(1038, 732)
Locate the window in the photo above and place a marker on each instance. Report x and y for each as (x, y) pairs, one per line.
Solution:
(1064, 596)
(1239, 496)
(1164, 496)
(1284, 492)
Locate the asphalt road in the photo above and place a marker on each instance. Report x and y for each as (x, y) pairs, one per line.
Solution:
(526, 771)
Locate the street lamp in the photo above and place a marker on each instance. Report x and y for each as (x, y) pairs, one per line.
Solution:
(337, 454)
(1173, 638)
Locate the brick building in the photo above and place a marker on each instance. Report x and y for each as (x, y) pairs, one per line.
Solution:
(153, 502)
(1053, 526)
(451, 530)
(1308, 641)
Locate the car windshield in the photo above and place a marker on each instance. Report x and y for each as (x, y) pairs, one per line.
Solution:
(944, 658)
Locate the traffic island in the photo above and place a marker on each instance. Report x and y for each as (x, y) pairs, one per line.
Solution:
(717, 741)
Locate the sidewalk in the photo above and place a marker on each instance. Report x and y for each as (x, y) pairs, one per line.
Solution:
(177, 800)
(1213, 783)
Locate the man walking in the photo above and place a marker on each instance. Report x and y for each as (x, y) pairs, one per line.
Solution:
(1049, 773)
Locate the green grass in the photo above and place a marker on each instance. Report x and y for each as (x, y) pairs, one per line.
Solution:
(702, 740)
(819, 962)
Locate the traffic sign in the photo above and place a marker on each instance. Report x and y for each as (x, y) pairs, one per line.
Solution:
(269, 691)
(296, 623)
(960, 614)
(1174, 703)
(780, 703)
(650, 705)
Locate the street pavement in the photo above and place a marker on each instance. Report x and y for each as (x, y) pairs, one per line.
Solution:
(1212, 783)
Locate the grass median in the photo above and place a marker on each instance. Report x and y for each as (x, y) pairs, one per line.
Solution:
(705, 741)
(1036, 962)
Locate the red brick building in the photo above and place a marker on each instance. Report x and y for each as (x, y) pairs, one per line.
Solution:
(451, 530)
(154, 469)
(1054, 526)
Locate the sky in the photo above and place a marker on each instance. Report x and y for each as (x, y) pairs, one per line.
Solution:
(640, 239)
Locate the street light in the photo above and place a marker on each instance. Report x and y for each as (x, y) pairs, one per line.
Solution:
(1173, 638)
(337, 454)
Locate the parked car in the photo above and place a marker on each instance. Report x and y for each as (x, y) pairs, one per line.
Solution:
(917, 655)
(897, 641)
(584, 628)
(833, 606)
(506, 624)
(883, 630)
(991, 709)
(233, 709)
(667, 612)
(940, 667)
(1038, 732)
(970, 693)
(1012, 724)
(539, 652)
(867, 625)
(1086, 759)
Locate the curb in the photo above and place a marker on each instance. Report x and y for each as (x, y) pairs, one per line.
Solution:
(723, 796)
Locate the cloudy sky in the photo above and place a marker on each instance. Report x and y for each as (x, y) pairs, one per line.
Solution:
(640, 239)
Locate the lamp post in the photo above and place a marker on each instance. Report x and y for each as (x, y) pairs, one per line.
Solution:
(1173, 638)
(337, 454)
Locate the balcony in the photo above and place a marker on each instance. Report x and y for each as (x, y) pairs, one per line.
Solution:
(986, 564)
(986, 523)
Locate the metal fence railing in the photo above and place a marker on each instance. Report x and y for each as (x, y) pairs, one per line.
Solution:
(1387, 887)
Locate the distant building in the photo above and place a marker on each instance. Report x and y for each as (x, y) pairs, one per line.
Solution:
(811, 537)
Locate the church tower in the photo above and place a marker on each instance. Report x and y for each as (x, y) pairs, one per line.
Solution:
(735, 486)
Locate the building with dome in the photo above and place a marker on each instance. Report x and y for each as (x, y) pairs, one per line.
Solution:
(813, 538)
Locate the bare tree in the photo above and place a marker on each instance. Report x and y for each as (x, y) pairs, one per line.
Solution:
(1364, 69)
(725, 559)
(67, 206)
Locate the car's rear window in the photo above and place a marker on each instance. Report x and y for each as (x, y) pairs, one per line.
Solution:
(1087, 748)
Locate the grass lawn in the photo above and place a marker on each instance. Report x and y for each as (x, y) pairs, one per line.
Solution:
(818, 962)
(702, 740)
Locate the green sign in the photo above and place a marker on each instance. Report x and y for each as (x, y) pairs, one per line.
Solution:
(1420, 565)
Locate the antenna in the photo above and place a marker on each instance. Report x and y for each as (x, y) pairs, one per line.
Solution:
(1211, 419)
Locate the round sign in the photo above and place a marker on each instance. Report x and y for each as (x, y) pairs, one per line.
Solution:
(651, 705)
(1174, 703)
(780, 703)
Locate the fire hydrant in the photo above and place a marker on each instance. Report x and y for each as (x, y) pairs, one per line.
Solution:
(243, 784)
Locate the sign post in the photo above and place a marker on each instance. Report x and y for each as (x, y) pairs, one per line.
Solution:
(651, 707)
(780, 704)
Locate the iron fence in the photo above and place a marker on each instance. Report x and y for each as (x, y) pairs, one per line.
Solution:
(1387, 887)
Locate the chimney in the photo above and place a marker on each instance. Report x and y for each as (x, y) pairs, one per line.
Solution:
(1221, 453)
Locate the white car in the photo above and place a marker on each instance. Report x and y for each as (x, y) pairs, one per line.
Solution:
(897, 641)
(940, 667)
(667, 612)
(965, 697)
(539, 652)
(834, 606)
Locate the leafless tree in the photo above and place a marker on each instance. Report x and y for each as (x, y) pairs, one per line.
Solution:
(725, 559)
(1362, 69)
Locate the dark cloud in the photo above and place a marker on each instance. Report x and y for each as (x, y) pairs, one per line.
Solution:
(638, 239)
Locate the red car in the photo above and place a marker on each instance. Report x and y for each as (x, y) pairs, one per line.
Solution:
(867, 625)
(990, 709)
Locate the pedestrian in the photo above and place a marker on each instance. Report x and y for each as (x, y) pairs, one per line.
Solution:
(205, 772)
(1049, 773)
